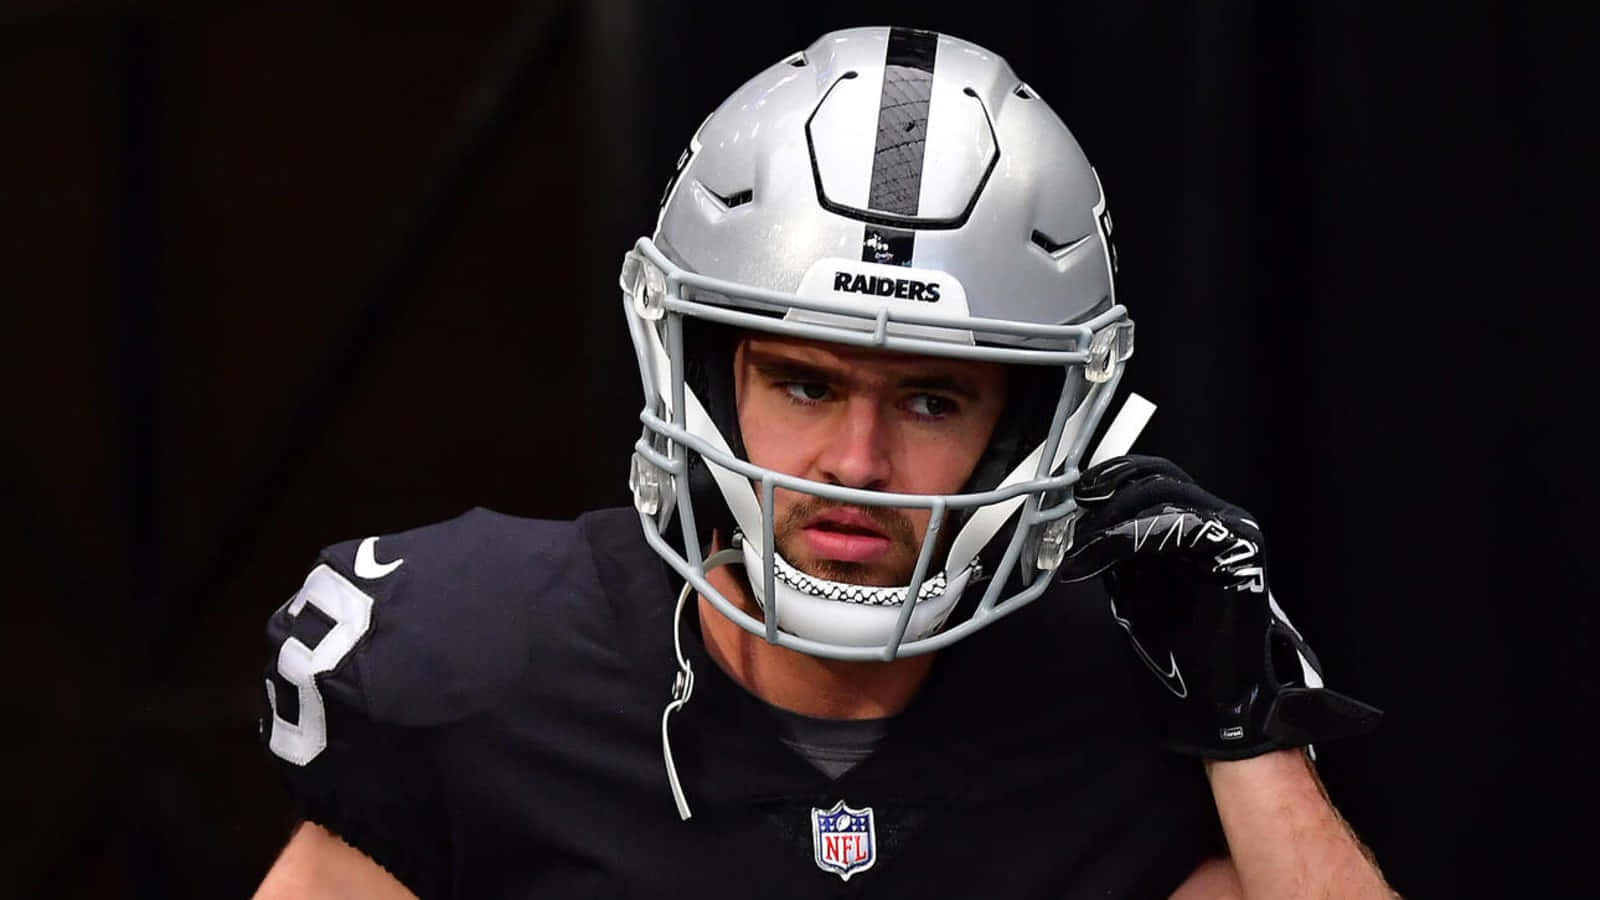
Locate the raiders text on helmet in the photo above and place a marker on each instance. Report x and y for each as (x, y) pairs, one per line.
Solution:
(902, 288)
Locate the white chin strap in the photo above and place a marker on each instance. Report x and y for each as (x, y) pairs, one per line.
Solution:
(982, 525)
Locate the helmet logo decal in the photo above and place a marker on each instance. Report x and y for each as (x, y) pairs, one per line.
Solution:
(900, 288)
(845, 839)
(887, 246)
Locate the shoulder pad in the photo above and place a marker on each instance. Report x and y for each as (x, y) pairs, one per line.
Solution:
(431, 625)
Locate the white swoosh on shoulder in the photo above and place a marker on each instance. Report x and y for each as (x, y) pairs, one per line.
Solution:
(367, 565)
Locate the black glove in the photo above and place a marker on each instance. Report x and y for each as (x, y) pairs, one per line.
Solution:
(1188, 582)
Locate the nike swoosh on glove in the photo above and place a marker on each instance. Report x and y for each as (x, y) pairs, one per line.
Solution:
(1187, 577)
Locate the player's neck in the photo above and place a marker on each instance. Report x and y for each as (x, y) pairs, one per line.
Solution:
(809, 685)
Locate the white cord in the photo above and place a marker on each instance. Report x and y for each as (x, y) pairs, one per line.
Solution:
(682, 687)
(683, 682)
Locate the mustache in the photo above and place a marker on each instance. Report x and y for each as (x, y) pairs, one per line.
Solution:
(892, 522)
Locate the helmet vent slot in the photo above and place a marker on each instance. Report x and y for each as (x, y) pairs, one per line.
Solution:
(1025, 92)
(1056, 248)
(798, 60)
(733, 200)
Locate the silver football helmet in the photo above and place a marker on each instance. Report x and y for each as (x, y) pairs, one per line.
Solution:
(901, 190)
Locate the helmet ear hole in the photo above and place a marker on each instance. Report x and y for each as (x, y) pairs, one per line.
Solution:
(708, 372)
(711, 513)
(1031, 396)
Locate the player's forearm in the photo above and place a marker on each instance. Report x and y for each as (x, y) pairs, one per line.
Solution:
(1285, 837)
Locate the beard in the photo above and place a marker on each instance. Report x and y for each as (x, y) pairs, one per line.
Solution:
(892, 570)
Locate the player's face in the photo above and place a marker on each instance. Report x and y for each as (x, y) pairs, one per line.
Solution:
(862, 419)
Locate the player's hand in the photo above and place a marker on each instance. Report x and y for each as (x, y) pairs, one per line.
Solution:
(1188, 582)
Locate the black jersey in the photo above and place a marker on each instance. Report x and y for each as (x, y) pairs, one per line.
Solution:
(477, 705)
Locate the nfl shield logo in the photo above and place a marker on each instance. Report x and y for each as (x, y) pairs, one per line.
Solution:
(845, 839)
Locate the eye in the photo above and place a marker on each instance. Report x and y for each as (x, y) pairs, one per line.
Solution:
(931, 406)
(805, 391)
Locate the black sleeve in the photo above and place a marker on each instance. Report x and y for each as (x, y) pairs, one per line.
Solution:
(369, 781)
(392, 645)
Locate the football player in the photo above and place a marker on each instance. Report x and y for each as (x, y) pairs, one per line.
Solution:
(920, 645)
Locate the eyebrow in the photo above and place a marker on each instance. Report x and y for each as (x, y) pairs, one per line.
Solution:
(782, 368)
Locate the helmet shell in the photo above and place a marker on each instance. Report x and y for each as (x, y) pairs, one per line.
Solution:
(935, 157)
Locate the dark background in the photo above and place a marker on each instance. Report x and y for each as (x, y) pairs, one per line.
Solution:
(275, 275)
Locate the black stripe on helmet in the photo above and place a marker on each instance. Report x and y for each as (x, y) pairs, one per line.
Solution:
(902, 139)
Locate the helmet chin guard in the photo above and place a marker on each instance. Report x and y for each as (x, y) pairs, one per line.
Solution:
(903, 191)
(850, 615)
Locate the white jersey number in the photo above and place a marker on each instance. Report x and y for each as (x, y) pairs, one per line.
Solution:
(350, 608)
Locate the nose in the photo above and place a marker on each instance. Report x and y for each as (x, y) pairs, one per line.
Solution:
(857, 454)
